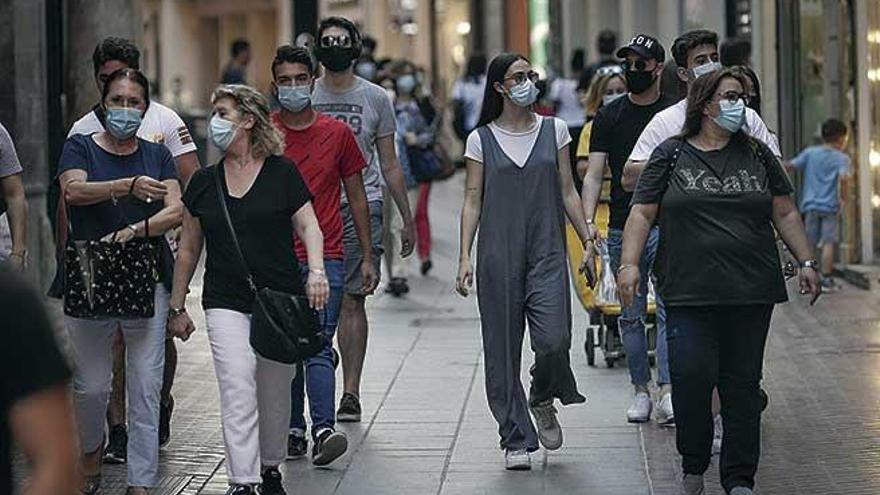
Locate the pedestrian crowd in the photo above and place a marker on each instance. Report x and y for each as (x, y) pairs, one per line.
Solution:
(331, 174)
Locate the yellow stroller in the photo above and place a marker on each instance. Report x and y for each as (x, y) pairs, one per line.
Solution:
(601, 303)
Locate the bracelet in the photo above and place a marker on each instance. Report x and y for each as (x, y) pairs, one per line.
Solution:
(625, 267)
(318, 271)
(133, 229)
(113, 197)
(133, 182)
(175, 312)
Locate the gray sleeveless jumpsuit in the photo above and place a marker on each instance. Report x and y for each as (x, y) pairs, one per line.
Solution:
(522, 275)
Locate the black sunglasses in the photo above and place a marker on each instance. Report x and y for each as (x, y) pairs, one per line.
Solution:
(343, 40)
(639, 65)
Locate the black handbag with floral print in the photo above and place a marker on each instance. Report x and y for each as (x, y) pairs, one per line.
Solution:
(110, 279)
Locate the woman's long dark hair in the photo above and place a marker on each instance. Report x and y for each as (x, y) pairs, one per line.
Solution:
(493, 101)
(701, 94)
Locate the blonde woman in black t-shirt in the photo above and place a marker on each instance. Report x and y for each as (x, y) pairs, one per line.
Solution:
(722, 194)
(263, 193)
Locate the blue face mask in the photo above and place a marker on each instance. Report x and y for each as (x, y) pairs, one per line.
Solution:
(294, 98)
(122, 122)
(406, 84)
(732, 115)
(523, 94)
(222, 132)
(366, 70)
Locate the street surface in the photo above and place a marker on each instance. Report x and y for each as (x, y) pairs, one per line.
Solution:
(427, 428)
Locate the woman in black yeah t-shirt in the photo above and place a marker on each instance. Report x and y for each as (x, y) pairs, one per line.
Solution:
(263, 193)
(718, 194)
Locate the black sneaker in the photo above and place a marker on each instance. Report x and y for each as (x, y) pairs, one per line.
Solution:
(328, 447)
(426, 267)
(297, 446)
(240, 490)
(116, 451)
(349, 409)
(271, 484)
(165, 410)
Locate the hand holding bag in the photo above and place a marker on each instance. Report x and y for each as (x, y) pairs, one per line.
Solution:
(284, 328)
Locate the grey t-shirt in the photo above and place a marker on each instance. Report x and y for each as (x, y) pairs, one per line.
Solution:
(9, 164)
(367, 109)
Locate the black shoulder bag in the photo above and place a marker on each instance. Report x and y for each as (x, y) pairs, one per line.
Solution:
(284, 328)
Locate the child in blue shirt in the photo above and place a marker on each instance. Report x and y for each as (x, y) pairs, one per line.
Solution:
(823, 166)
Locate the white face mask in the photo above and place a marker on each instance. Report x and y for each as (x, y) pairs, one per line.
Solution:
(707, 68)
(612, 97)
(222, 132)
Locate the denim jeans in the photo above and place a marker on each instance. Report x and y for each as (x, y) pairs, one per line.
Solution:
(632, 319)
(719, 346)
(320, 377)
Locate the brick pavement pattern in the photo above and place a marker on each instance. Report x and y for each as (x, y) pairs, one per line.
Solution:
(427, 428)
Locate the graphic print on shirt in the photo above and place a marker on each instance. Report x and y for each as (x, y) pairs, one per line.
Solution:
(349, 113)
(703, 181)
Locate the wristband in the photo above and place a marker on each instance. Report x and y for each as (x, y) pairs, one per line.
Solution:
(133, 182)
(625, 267)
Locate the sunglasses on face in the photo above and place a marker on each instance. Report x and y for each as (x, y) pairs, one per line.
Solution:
(638, 64)
(732, 96)
(520, 77)
(343, 40)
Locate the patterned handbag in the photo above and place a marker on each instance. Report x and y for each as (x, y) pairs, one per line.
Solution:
(110, 279)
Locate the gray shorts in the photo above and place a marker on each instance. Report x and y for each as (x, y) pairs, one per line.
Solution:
(821, 227)
(354, 258)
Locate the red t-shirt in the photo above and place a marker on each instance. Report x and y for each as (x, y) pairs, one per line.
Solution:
(325, 153)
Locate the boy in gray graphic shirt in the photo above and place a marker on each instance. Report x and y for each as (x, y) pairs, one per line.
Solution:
(366, 108)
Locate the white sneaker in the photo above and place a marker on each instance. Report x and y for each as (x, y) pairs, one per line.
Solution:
(718, 436)
(517, 460)
(640, 410)
(665, 414)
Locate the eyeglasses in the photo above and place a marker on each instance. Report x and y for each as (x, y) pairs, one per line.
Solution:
(610, 70)
(520, 77)
(638, 64)
(732, 96)
(343, 41)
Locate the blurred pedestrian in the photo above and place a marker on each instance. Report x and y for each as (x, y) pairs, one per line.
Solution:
(736, 51)
(235, 71)
(159, 125)
(518, 191)
(608, 85)
(325, 152)
(13, 201)
(366, 108)
(717, 331)
(120, 188)
(267, 201)
(366, 66)
(567, 100)
(615, 130)
(36, 410)
(606, 45)
(467, 96)
(824, 168)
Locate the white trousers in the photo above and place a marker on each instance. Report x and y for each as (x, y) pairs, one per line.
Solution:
(91, 343)
(254, 398)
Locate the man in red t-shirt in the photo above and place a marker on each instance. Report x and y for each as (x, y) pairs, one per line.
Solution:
(328, 157)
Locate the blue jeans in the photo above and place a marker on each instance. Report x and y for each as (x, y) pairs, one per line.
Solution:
(632, 319)
(718, 346)
(320, 377)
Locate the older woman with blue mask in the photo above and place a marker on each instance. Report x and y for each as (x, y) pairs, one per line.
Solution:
(120, 189)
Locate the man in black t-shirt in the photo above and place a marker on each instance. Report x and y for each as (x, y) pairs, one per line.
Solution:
(616, 128)
(35, 406)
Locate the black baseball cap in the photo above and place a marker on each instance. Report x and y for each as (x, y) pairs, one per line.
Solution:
(644, 46)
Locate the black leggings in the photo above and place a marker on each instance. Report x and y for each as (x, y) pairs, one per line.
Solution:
(719, 346)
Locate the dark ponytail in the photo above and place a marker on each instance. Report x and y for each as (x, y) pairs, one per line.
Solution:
(493, 101)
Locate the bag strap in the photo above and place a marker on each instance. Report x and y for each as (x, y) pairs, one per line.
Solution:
(221, 197)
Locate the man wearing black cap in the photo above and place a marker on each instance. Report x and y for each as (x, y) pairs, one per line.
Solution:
(616, 128)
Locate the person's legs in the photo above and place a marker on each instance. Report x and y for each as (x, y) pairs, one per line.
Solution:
(116, 408)
(169, 370)
(235, 365)
(145, 360)
(743, 338)
(273, 382)
(829, 238)
(693, 361)
(423, 223)
(91, 346)
(812, 227)
(353, 317)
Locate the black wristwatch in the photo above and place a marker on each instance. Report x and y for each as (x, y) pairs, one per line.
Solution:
(810, 264)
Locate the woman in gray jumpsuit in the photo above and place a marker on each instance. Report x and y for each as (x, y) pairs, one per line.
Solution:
(519, 188)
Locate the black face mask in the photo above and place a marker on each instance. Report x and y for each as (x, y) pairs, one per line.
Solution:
(637, 82)
(336, 58)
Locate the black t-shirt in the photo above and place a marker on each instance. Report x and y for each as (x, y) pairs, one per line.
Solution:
(717, 244)
(29, 358)
(616, 129)
(264, 227)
